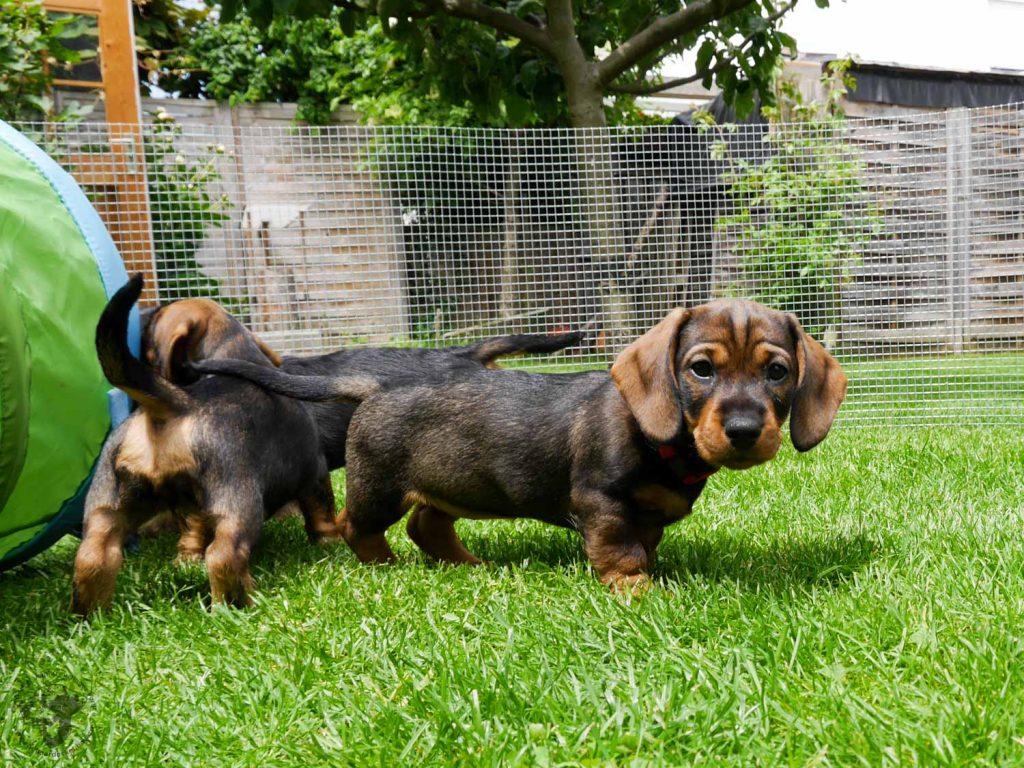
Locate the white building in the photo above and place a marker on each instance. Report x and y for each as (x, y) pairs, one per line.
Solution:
(910, 50)
(963, 35)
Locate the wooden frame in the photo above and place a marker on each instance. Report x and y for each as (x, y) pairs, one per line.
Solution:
(124, 170)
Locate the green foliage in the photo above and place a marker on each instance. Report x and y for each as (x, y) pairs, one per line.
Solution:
(316, 65)
(800, 216)
(162, 28)
(507, 80)
(466, 75)
(473, 79)
(33, 51)
(182, 206)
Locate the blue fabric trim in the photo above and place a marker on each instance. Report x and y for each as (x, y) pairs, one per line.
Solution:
(120, 406)
(108, 260)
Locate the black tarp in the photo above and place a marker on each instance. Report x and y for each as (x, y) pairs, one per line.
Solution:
(933, 88)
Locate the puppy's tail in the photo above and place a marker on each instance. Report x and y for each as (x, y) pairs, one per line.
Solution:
(349, 389)
(488, 351)
(157, 396)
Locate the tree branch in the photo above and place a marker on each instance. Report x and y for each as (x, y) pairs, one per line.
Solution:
(499, 20)
(663, 31)
(582, 88)
(566, 49)
(644, 87)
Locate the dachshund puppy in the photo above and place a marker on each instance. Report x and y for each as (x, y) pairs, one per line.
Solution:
(223, 453)
(174, 335)
(616, 457)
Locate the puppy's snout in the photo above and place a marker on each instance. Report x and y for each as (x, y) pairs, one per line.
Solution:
(744, 429)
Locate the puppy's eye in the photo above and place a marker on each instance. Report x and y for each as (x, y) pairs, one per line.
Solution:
(702, 369)
(777, 371)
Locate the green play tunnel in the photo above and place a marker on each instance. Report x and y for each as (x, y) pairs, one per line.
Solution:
(58, 266)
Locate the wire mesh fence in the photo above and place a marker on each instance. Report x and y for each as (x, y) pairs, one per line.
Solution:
(898, 242)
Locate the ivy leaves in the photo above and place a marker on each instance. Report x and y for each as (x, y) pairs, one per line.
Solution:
(34, 50)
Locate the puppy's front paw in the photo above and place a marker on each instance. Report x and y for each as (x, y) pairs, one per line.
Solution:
(628, 585)
(325, 537)
(189, 558)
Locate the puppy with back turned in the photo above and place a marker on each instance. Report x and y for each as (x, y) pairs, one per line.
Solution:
(616, 457)
(222, 453)
(173, 335)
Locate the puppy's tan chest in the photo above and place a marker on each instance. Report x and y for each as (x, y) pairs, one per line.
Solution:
(157, 451)
(660, 498)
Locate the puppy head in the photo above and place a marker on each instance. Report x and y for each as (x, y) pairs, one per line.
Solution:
(729, 373)
(190, 330)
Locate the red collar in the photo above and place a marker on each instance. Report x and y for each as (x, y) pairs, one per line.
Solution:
(670, 454)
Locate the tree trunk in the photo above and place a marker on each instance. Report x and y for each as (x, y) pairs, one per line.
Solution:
(601, 208)
(585, 95)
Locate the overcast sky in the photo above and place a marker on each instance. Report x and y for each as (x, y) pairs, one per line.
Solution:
(976, 35)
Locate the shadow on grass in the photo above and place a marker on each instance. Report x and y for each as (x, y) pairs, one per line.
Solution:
(35, 596)
(774, 564)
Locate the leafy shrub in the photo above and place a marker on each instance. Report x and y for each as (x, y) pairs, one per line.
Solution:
(799, 217)
(32, 52)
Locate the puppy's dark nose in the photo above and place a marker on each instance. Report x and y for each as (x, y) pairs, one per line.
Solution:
(743, 430)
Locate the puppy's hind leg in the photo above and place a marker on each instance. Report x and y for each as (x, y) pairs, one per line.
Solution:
(99, 558)
(319, 512)
(112, 511)
(433, 531)
(369, 511)
(235, 533)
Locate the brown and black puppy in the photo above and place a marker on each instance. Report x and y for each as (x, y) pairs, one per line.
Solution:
(615, 457)
(180, 332)
(223, 453)
(186, 331)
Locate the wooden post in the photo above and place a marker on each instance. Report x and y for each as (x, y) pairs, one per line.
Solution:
(120, 86)
(117, 59)
(124, 114)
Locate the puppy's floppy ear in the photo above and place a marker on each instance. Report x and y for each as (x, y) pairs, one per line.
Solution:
(174, 350)
(272, 356)
(645, 375)
(820, 390)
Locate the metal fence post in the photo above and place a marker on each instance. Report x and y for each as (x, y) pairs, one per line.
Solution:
(958, 239)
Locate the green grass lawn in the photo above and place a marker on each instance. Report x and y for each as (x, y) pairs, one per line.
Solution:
(860, 604)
